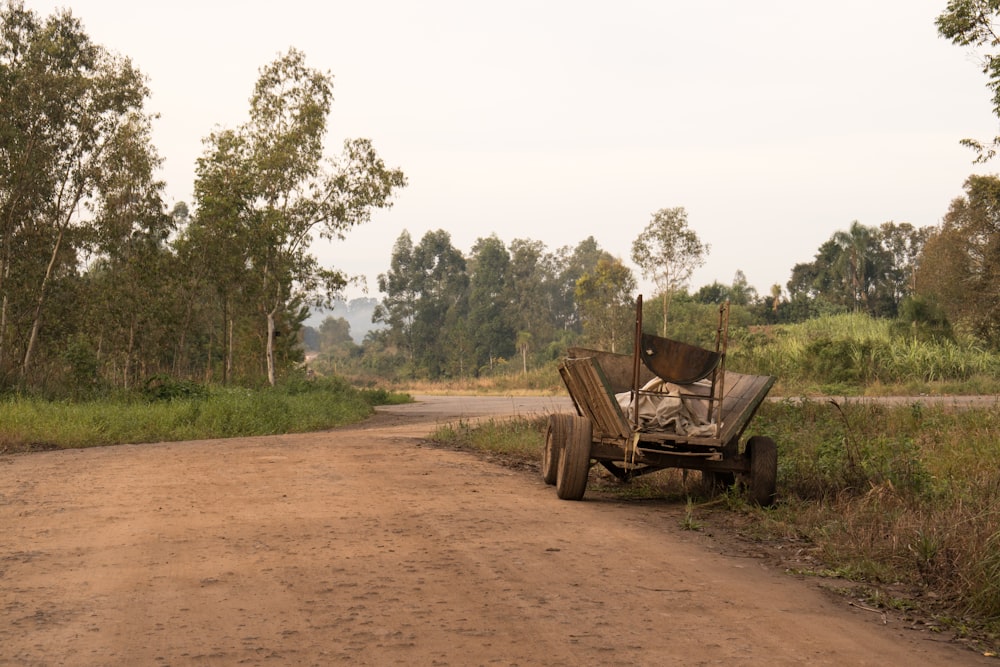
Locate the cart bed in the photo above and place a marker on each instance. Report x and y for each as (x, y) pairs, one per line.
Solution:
(594, 396)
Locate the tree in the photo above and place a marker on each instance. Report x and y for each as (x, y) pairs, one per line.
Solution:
(63, 103)
(861, 268)
(575, 262)
(280, 191)
(959, 268)
(855, 264)
(130, 296)
(740, 293)
(426, 303)
(532, 293)
(606, 301)
(973, 23)
(492, 333)
(401, 286)
(523, 345)
(668, 251)
(901, 245)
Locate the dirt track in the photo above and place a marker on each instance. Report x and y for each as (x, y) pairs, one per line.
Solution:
(361, 546)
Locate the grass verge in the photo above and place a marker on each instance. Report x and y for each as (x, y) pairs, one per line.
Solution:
(28, 424)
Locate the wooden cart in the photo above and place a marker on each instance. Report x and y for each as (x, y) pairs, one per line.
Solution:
(601, 432)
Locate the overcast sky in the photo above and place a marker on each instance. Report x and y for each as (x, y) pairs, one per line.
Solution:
(774, 123)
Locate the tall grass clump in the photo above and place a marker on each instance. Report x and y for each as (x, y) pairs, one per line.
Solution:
(857, 354)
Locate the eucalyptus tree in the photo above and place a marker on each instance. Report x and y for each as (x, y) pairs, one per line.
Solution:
(607, 302)
(668, 251)
(532, 294)
(901, 245)
(573, 263)
(130, 267)
(401, 287)
(63, 102)
(493, 335)
(426, 304)
(277, 191)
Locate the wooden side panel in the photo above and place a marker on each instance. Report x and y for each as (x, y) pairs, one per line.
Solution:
(594, 398)
(744, 394)
(617, 368)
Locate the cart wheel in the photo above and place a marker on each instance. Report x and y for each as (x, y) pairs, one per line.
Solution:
(763, 455)
(556, 434)
(574, 460)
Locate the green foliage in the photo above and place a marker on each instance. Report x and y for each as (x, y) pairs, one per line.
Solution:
(861, 269)
(75, 137)
(668, 251)
(83, 366)
(923, 320)
(264, 191)
(958, 269)
(605, 298)
(162, 387)
(973, 23)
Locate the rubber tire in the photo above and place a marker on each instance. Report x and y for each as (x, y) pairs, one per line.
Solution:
(763, 454)
(556, 434)
(574, 462)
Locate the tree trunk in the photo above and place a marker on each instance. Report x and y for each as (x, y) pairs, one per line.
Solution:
(128, 352)
(37, 319)
(270, 346)
(3, 330)
(666, 306)
(229, 352)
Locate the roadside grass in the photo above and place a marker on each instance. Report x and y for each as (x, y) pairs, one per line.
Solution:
(180, 412)
(858, 354)
(902, 500)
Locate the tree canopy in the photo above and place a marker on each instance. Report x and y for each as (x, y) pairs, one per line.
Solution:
(264, 190)
(668, 251)
(973, 23)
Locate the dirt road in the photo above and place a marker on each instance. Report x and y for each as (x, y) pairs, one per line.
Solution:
(361, 546)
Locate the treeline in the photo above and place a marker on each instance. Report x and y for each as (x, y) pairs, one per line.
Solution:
(514, 308)
(100, 286)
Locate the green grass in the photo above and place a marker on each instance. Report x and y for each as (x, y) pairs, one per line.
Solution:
(170, 414)
(517, 440)
(856, 354)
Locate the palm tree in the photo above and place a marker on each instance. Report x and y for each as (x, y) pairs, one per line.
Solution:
(855, 263)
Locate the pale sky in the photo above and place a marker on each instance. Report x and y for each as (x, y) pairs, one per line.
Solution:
(774, 123)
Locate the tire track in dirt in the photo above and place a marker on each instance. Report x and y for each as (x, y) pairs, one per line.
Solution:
(360, 546)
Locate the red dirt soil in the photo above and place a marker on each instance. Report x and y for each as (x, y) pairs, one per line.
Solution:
(363, 546)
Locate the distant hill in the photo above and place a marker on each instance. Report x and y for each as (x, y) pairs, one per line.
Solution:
(357, 312)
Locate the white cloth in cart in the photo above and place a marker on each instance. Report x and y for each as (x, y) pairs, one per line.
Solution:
(664, 406)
